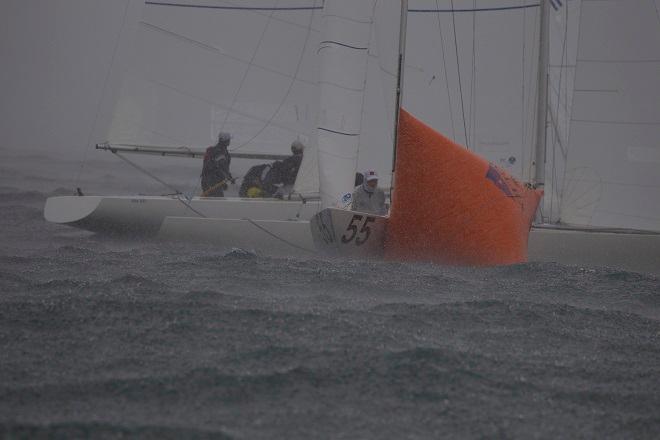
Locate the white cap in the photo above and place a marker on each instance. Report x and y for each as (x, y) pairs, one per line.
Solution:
(370, 175)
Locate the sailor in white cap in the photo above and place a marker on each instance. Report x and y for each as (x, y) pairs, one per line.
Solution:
(367, 197)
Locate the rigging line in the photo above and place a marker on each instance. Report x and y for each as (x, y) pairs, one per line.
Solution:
(473, 79)
(214, 50)
(247, 70)
(522, 104)
(215, 104)
(103, 92)
(499, 8)
(444, 63)
(343, 17)
(258, 226)
(178, 193)
(293, 80)
(338, 43)
(278, 18)
(343, 133)
(339, 86)
(142, 170)
(458, 67)
(234, 8)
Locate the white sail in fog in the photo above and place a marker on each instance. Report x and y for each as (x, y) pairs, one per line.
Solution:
(612, 173)
(343, 50)
(249, 69)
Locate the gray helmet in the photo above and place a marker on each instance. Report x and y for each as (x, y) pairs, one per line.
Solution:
(224, 138)
(297, 147)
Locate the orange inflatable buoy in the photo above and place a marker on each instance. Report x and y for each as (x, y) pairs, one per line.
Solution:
(451, 206)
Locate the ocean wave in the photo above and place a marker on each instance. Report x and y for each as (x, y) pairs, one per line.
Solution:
(18, 215)
(240, 254)
(105, 430)
(11, 281)
(12, 194)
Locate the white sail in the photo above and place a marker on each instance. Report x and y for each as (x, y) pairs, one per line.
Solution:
(376, 138)
(199, 67)
(612, 175)
(347, 28)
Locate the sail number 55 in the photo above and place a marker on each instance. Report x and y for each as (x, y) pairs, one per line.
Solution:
(358, 230)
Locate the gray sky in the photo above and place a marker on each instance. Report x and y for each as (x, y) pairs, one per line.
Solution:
(55, 59)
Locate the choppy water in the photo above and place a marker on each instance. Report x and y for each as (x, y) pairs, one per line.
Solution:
(113, 339)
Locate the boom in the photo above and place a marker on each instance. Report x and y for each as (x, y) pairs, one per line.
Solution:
(182, 151)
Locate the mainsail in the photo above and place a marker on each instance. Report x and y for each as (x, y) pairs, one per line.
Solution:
(200, 67)
(347, 28)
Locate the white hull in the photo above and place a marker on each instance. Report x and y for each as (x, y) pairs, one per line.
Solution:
(276, 226)
(343, 233)
(639, 252)
(146, 214)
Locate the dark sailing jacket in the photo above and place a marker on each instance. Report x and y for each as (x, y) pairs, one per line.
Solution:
(216, 166)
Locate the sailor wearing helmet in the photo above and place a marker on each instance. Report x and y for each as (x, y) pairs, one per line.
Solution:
(215, 171)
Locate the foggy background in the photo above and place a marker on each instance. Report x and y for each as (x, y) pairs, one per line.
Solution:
(61, 72)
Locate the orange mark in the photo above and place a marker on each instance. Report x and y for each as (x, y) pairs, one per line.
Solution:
(451, 206)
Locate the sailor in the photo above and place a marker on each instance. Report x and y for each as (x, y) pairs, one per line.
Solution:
(367, 197)
(215, 171)
(254, 181)
(290, 166)
(273, 180)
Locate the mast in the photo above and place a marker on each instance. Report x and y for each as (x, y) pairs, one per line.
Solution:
(399, 79)
(542, 104)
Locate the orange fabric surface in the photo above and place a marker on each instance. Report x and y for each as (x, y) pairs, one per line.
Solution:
(451, 206)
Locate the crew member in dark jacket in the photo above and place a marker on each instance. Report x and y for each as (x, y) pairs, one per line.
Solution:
(215, 172)
(275, 179)
(289, 167)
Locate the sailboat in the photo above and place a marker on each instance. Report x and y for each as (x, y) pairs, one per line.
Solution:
(499, 106)
(188, 71)
(631, 241)
(476, 214)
